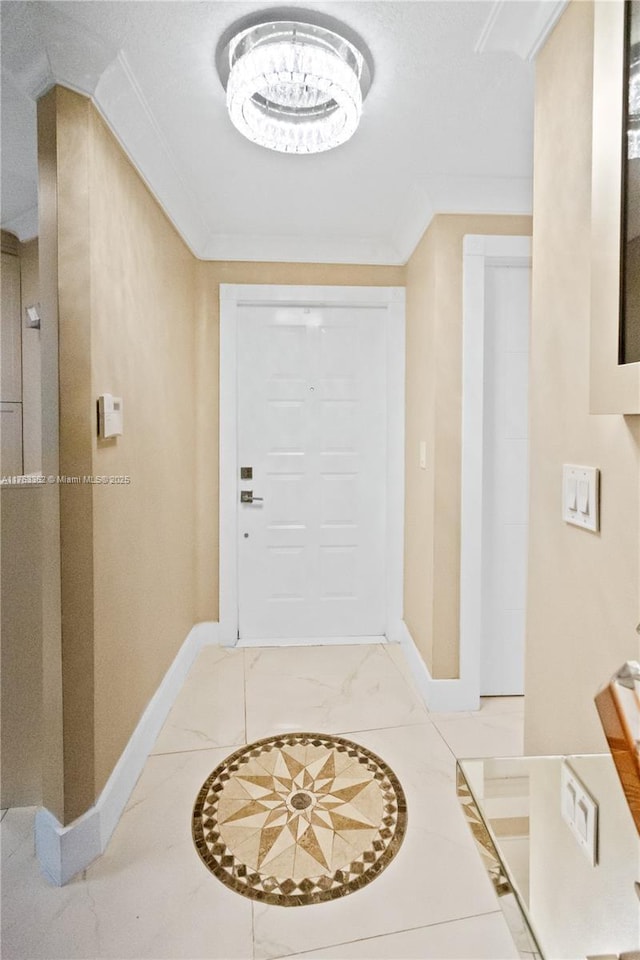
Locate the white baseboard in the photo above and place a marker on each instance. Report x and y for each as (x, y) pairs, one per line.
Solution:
(311, 641)
(440, 696)
(65, 851)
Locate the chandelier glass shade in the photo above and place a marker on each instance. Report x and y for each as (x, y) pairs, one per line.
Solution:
(294, 87)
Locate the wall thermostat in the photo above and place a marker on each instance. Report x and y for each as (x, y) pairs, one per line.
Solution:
(109, 416)
(32, 316)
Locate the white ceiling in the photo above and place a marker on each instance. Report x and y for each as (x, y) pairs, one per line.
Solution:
(447, 125)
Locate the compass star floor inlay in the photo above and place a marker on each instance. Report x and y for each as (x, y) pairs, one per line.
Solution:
(299, 819)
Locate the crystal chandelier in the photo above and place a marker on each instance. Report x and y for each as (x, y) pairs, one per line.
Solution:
(295, 87)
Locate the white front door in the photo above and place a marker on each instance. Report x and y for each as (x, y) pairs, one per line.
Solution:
(311, 402)
(505, 488)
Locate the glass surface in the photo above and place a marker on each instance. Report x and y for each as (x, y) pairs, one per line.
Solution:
(630, 265)
(572, 908)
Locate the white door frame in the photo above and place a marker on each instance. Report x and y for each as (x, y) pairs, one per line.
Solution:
(233, 296)
(479, 252)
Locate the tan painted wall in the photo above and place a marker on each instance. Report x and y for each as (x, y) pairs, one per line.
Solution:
(143, 350)
(210, 276)
(21, 690)
(21, 571)
(419, 425)
(434, 412)
(53, 769)
(583, 588)
(125, 292)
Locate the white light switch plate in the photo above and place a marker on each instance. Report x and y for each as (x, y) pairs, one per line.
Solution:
(580, 812)
(581, 496)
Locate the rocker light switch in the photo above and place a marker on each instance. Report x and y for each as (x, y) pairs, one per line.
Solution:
(583, 496)
(580, 496)
(580, 812)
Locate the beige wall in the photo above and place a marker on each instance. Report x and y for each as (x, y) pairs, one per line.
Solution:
(125, 290)
(434, 415)
(583, 589)
(53, 771)
(21, 569)
(210, 276)
(21, 623)
(143, 350)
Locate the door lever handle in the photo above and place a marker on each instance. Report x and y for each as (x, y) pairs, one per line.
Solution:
(246, 496)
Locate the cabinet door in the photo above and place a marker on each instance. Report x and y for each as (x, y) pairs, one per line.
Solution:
(11, 434)
(10, 340)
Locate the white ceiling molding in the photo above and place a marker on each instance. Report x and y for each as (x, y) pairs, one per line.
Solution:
(413, 220)
(521, 28)
(25, 226)
(53, 49)
(18, 194)
(468, 195)
(120, 100)
(294, 250)
(77, 57)
(26, 60)
(34, 79)
(481, 194)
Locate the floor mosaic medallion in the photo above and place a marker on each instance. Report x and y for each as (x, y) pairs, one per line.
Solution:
(299, 819)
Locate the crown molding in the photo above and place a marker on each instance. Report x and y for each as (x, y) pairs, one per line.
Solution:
(490, 196)
(291, 249)
(507, 30)
(25, 225)
(119, 99)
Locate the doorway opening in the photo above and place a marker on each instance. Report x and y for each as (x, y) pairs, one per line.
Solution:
(495, 495)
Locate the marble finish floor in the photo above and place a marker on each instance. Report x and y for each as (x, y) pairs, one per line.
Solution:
(151, 896)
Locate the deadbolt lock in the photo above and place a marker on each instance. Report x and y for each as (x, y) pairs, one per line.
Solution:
(246, 473)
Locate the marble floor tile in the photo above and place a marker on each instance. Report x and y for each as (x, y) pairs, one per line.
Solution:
(436, 875)
(395, 652)
(326, 689)
(149, 896)
(209, 710)
(485, 937)
(487, 733)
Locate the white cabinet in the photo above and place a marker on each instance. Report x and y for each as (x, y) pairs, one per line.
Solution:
(11, 437)
(11, 366)
(10, 343)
